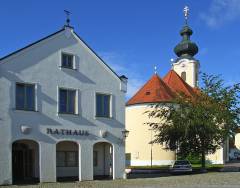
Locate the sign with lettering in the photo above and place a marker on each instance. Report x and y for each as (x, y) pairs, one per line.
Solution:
(67, 132)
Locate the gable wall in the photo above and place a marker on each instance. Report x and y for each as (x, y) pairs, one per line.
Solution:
(40, 65)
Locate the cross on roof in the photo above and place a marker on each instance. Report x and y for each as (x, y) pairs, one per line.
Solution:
(186, 13)
(155, 69)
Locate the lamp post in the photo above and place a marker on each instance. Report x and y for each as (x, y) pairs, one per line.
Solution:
(125, 134)
(151, 147)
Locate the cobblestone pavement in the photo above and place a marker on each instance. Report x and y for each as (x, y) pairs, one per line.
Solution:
(209, 180)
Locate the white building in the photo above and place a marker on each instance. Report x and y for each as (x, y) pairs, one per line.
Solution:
(61, 113)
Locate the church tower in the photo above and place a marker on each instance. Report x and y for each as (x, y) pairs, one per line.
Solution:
(186, 65)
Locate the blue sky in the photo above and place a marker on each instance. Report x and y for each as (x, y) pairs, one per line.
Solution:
(132, 36)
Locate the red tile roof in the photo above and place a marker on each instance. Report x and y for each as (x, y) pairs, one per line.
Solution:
(177, 84)
(158, 90)
(155, 90)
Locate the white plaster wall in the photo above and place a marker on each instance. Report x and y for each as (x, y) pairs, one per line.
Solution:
(47, 162)
(137, 143)
(148, 162)
(40, 65)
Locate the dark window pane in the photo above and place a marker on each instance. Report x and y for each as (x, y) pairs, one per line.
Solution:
(70, 61)
(67, 101)
(106, 105)
(95, 158)
(19, 96)
(99, 105)
(183, 75)
(67, 61)
(64, 60)
(72, 159)
(30, 95)
(25, 97)
(71, 101)
(102, 105)
(61, 159)
(63, 100)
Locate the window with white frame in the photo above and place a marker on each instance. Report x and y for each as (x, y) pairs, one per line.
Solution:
(67, 61)
(67, 101)
(103, 105)
(25, 96)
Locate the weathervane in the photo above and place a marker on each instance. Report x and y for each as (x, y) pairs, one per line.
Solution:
(67, 16)
(186, 13)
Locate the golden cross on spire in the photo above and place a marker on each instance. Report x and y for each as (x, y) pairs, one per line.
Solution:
(155, 69)
(186, 13)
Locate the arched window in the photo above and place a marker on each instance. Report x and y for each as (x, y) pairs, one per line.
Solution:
(183, 75)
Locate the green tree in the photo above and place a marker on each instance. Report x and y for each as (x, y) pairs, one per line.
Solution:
(198, 124)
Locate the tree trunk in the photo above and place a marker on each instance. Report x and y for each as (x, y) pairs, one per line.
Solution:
(203, 168)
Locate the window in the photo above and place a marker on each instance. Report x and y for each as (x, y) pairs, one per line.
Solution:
(183, 75)
(196, 77)
(95, 158)
(148, 93)
(67, 101)
(25, 96)
(102, 105)
(67, 61)
(67, 159)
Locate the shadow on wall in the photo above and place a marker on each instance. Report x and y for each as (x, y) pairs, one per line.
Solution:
(40, 53)
(19, 118)
(77, 74)
(113, 122)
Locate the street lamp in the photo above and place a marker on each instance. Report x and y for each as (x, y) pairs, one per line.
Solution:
(151, 147)
(125, 134)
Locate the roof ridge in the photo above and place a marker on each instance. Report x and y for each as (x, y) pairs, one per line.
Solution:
(31, 44)
(59, 31)
(154, 90)
(183, 84)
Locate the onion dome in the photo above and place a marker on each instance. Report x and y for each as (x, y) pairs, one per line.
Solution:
(186, 48)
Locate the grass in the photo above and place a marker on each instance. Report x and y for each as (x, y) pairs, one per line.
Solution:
(208, 166)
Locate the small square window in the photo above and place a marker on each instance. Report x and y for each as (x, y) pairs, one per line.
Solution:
(67, 61)
(148, 93)
(103, 105)
(25, 96)
(67, 101)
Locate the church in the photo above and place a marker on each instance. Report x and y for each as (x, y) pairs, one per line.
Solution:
(61, 113)
(182, 78)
